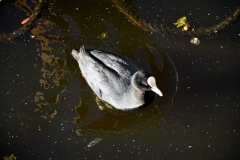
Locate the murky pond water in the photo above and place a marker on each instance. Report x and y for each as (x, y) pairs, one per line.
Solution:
(48, 111)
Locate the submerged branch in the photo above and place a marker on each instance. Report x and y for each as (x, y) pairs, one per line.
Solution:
(165, 30)
(38, 9)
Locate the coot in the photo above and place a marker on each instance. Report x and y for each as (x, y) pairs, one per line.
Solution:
(115, 79)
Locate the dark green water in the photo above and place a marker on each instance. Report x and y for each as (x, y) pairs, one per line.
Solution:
(49, 112)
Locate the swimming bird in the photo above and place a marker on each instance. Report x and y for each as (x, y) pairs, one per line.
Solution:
(115, 79)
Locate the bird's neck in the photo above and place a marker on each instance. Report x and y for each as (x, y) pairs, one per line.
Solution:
(137, 95)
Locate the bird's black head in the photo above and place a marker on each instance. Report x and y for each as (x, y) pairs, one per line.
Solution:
(143, 81)
(140, 80)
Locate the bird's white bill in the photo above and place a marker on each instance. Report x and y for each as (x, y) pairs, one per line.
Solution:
(156, 90)
(152, 82)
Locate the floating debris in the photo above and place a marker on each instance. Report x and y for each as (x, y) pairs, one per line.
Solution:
(32, 36)
(195, 41)
(103, 35)
(81, 132)
(180, 22)
(11, 157)
(186, 26)
(95, 141)
(39, 93)
(25, 20)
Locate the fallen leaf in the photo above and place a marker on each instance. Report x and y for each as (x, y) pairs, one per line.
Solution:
(25, 20)
(180, 22)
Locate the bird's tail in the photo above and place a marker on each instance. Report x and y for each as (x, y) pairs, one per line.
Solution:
(75, 53)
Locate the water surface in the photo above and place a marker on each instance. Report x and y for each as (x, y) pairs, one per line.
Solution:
(49, 112)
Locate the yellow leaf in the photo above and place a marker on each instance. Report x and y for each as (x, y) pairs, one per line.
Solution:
(180, 22)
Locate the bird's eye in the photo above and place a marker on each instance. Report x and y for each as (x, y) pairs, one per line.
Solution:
(145, 84)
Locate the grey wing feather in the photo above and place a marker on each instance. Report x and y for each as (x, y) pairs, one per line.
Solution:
(103, 76)
(119, 64)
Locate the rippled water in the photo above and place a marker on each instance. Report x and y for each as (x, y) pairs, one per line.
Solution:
(49, 111)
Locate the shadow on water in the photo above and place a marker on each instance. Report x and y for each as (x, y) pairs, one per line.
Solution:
(61, 86)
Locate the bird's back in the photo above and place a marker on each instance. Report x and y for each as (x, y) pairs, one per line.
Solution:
(109, 75)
